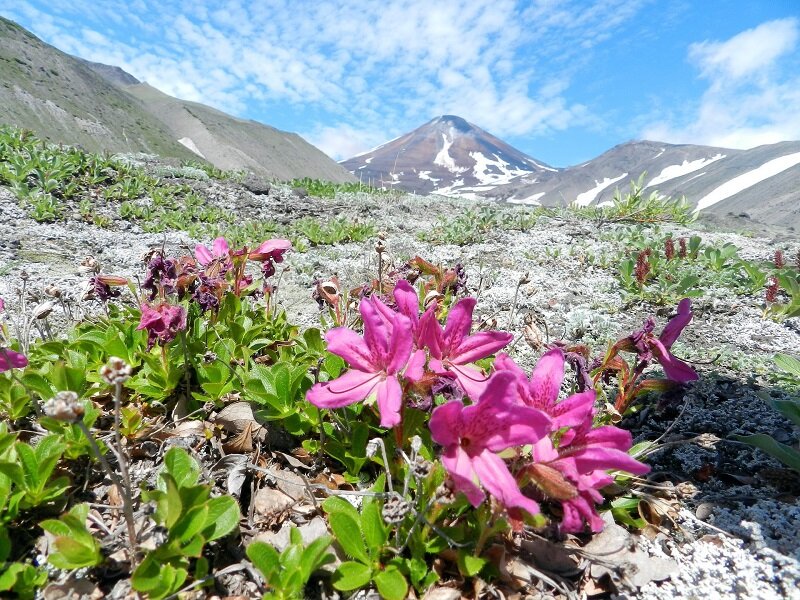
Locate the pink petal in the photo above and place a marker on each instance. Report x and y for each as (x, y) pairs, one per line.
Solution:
(350, 387)
(576, 510)
(202, 254)
(675, 326)
(377, 332)
(399, 344)
(674, 369)
(350, 346)
(445, 423)
(459, 466)
(479, 345)
(11, 360)
(459, 323)
(220, 248)
(498, 481)
(546, 379)
(573, 411)
(407, 301)
(430, 334)
(415, 368)
(390, 399)
(270, 246)
(2, 304)
(470, 379)
(596, 458)
(503, 362)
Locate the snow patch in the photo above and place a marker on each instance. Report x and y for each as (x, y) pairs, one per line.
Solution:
(746, 180)
(189, 143)
(427, 175)
(684, 168)
(659, 154)
(444, 159)
(533, 199)
(586, 198)
(481, 170)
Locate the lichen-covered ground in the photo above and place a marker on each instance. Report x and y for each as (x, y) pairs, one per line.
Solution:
(724, 518)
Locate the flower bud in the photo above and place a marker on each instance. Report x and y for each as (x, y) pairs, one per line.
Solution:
(115, 371)
(64, 406)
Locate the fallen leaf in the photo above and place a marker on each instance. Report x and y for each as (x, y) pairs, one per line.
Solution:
(269, 502)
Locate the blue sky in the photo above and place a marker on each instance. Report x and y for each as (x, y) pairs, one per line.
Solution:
(562, 80)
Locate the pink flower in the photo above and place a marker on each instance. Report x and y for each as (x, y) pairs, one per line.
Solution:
(542, 390)
(11, 360)
(376, 363)
(452, 349)
(219, 250)
(648, 346)
(472, 436)
(162, 322)
(271, 250)
(2, 304)
(574, 472)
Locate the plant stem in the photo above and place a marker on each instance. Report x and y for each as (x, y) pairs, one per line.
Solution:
(127, 504)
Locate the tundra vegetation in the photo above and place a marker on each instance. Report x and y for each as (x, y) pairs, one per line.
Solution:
(140, 442)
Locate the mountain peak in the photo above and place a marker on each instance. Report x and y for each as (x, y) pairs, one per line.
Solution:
(447, 155)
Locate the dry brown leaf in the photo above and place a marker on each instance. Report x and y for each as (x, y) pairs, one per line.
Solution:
(442, 593)
(548, 556)
(270, 503)
(237, 417)
(72, 588)
(290, 484)
(241, 442)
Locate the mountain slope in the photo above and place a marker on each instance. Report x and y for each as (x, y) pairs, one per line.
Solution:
(760, 182)
(63, 100)
(102, 108)
(231, 143)
(447, 155)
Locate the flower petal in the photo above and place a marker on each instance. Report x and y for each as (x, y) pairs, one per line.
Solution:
(415, 368)
(479, 345)
(377, 332)
(350, 346)
(459, 323)
(573, 411)
(470, 379)
(202, 254)
(350, 387)
(459, 466)
(11, 360)
(674, 369)
(220, 248)
(546, 379)
(673, 329)
(498, 481)
(596, 458)
(445, 423)
(400, 344)
(273, 249)
(407, 301)
(390, 399)
(430, 334)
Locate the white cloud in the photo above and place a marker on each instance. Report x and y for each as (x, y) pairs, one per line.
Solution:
(753, 94)
(368, 66)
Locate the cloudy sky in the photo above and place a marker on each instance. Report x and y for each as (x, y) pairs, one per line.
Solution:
(562, 80)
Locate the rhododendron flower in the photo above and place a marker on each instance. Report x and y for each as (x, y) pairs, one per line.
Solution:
(2, 304)
(219, 250)
(452, 349)
(269, 253)
(376, 362)
(648, 346)
(10, 359)
(472, 436)
(541, 391)
(574, 472)
(162, 322)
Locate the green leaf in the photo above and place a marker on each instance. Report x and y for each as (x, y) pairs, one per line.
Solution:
(181, 466)
(351, 576)
(315, 555)
(265, 558)
(72, 554)
(348, 534)
(189, 524)
(786, 454)
(391, 584)
(789, 409)
(336, 504)
(223, 517)
(470, 565)
(788, 363)
(375, 531)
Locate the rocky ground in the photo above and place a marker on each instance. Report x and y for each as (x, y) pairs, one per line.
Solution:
(725, 518)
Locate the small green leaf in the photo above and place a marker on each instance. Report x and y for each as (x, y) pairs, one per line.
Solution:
(789, 409)
(375, 531)
(391, 584)
(788, 363)
(351, 576)
(181, 466)
(470, 565)
(223, 517)
(348, 534)
(265, 558)
(786, 454)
